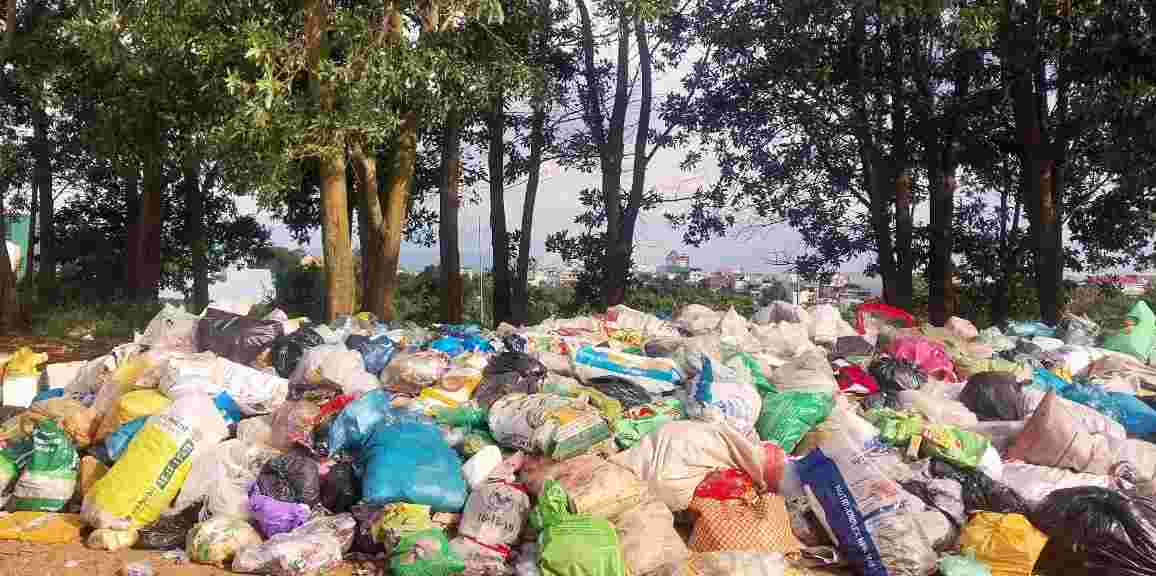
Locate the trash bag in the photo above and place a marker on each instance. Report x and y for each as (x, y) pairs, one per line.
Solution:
(810, 372)
(425, 553)
(765, 523)
(648, 538)
(595, 486)
(779, 311)
(786, 417)
(496, 511)
(353, 425)
(273, 516)
(980, 492)
(994, 396)
(331, 367)
(1007, 543)
(220, 478)
(621, 389)
(1102, 531)
(408, 373)
(961, 328)
(894, 375)
(656, 375)
(722, 393)
(130, 406)
(218, 540)
(169, 532)
(313, 548)
(1138, 333)
(41, 527)
(478, 468)
(291, 477)
(171, 329)
(111, 540)
(146, 478)
(928, 355)
(287, 350)
(1035, 483)
(238, 338)
(850, 346)
(547, 424)
(573, 544)
(636, 423)
(49, 478)
(376, 351)
(872, 316)
(1138, 419)
(408, 460)
(396, 521)
(340, 489)
(293, 424)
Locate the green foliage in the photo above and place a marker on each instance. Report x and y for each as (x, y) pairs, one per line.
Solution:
(72, 319)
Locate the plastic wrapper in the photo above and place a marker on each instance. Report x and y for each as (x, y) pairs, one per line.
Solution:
(216, 541)
(426, 553)
(408, 373)
(49, 477)
(312, 548)
(171, 329)
(408, 460)
(340, 488)
(1007, 543)
(238, 338)
(573, 543)
(273, 516)
(894, 375)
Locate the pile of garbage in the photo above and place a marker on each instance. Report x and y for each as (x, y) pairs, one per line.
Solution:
(620, 444)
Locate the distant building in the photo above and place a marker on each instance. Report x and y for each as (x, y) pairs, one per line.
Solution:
(695, 276)
(676, 259)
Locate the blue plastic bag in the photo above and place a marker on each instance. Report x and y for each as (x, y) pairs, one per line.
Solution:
(451, 345)
(1030, 329)
(409, 461)
(116, 442)
(48, 394)
(353, 425)
(822, 476)
(1137, 417)
(376, 351)
(227, 407)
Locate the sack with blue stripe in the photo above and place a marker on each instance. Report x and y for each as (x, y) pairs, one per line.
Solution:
(657, 375)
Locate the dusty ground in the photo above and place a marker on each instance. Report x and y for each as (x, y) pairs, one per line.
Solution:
(58, 349)
(24, 559)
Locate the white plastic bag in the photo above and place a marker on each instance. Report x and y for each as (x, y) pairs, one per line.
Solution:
(827, 325)
(480, 465)
(938, 409)
(333, 366)
(810, 372)
(1034, 483)
(220, 478)
(201, 415)
(171, 329)
(698, 319)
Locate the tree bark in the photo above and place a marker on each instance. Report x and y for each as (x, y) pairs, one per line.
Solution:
(46, 279)
(148, 267)
(374, 280)
(363, 237)
(129, 173)
(9, 300)
(453, 292)
(339, 281)
(942, 164)
(198, 243)
(499, 239)
(616, 259)
(394, 205)
(900, 180)
(30, 259)
(537, 143)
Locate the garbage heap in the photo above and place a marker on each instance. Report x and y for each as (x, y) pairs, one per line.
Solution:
(708, 444)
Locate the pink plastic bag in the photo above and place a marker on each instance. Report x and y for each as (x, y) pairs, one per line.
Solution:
(928, 355)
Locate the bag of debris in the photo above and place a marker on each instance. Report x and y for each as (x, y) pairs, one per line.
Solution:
(656, 375)
(980, 491)
(287, 350)
(894, 375)
(596, 487)
(331, 367)
(495, 512)
(547, 424)
(171, 329)
(1056, 436)
(482, 559)
(648, 537)
(409, 460)
(786, 417)
(376, 351)
(1094, 530)
(393, 522)
(238, 338)
(571, 543)
(313, 548)
(722, 393)
(928, 355)
(994, 396)
(426, 553)
(1035, 483)
(340, 488)
(1008, 543)
(732, 516)
(409, 372)
(291, 477)
(810, 372)
(274, 516)
(220, 478)
(169, 532)
(779, 311)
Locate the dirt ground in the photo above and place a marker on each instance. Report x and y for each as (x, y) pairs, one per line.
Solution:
(25, 559)
(58, 349)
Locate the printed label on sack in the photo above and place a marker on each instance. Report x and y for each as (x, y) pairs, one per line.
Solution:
(845, 513)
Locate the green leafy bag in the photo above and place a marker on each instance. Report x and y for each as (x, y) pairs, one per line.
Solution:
(573, 544)
(425, 553)
(787, 416)
(49, 480)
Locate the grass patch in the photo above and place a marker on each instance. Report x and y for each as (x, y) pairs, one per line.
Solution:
(112, 320)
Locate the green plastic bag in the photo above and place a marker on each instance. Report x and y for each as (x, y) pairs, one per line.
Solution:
(573, 544)
(960, 447)
(464, 416)
(13, 457)
(629, 431)
(787, 416)
(895, 428)
(953, 565)
(1137, 338)
(49, 480)
(425, 553)
(762, 384)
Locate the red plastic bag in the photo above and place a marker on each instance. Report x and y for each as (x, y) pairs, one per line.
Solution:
(928, 355)
(853, 379)
(776, 465)
(732, 484)
(884, 312)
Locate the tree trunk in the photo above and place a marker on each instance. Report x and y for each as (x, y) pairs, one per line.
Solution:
(453, 292)
(900, 179)
(499, 239)
(30, 260)
(9, 29)
(130, 176)
(372, 237)
(148, 267)
(942, 165)
(198, 243)
(363, 237)
(339, 289)
(9, 300)
(616, 259)
(537, 143)
(394, 205)
(46, 279)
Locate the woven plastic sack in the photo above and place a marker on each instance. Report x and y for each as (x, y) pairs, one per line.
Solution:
(746, 563)
(721, 393)
(749, 521)
(41, 527)
(1007, 543)
(425, 553)
(574, 544)
(810, 372)
(313, 548)
(495, 512)
(595, 486)
(145, 479)
(217, 541)
(779, 311)
(656, 375)
(1056, 436)
(547, 424)
(171, 329)
(49, 478)
(787, 416)
(410, 461)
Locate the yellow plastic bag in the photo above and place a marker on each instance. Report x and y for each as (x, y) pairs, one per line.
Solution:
(41, 527)
(24, 362)
(146, 478)
(131, 406)
(1008, 543)
(399, 520)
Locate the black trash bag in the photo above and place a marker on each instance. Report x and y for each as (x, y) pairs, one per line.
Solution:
(894, 375)
(1093, 530)
(882, 399)
(994, 396)
(339, 488)
(291, 477)
(623, 390)
(852, 346)
(1026, 347)
(320, 434)
(287, 350)
(168, 532)
(507, 373)
(1077, 330)
(238, 338)
(980, 492)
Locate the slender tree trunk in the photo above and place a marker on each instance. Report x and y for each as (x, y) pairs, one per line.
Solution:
(363, 236)
(148, 271)
(46, 279)
(30, 260)
(453, 292)
(9, 29)
(130, 179)
(394, 205)
(499, 239)
(616, 260)
(9, 300)
(900, 179)
(198, 243)
(374, 280)
(537, 143)
(942, 165)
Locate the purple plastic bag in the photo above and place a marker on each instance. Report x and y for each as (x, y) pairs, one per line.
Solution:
(274, 516)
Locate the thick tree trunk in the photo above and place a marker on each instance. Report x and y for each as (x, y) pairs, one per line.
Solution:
(904, 254)
(372, 239)
(339, 289)
(9, 300)
(499, 239)
(941, 167)
(900, 180)
(129, 173)
(394, 205)
(148, 267)
(363, 239)
(453, 292)
(46, 279)
(198, 243)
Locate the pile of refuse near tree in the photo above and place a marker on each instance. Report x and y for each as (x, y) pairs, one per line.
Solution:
(617, 444)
